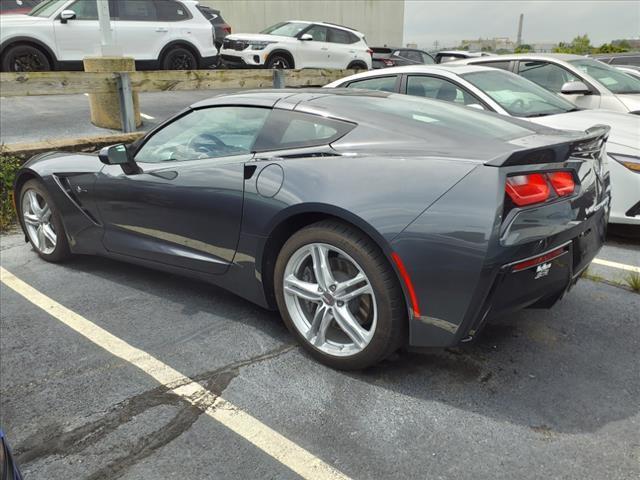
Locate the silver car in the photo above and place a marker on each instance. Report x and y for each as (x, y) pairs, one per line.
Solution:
(586, 82)
(507, 94)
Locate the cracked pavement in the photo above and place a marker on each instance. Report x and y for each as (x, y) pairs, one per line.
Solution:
(540, 394)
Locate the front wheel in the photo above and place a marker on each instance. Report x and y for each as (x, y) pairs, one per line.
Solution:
(279, 61)
(42, 222)
(25, 58)
(339, 296)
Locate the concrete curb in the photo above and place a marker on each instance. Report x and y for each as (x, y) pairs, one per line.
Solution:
(81, 144)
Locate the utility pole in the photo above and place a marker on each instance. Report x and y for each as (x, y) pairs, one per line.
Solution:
(106, 39)
(519, 40)
(436, 44)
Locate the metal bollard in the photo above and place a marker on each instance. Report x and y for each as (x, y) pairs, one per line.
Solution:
(125, 95)
(278, 78)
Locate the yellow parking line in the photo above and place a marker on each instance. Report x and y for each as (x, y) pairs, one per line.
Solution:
(621, 266)
(266, 439)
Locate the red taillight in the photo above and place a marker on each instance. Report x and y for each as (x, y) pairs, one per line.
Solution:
(388, 63)
(562, 183)
(407, 281)
(527, 189)
(370, 52)
(547, 257)
(226, 28)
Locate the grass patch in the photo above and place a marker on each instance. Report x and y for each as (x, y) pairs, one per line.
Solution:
(9, 166)
(633, 280)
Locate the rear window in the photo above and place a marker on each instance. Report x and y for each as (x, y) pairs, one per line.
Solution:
(285, 130)
(414, 112)
(171, 11)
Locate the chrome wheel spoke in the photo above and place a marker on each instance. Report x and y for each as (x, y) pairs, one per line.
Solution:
(301, 289)
(32, 198)
(317, 334)
(49, 234)
(31, 219)
(321, 267)
(41, 238)
(349, 325)
(45, 213)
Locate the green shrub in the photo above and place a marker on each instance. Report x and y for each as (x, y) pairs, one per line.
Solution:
(8, 167)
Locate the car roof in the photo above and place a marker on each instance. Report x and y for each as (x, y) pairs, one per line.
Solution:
(326, 24)
(534, 56)
(457, 69)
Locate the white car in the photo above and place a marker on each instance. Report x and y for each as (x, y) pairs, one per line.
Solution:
(298, 44)
(508, 94)
(58, 34)
(586, 82)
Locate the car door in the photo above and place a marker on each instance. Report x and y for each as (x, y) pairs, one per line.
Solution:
(139, 32)
(183, 205)
(79, 37)
(438, 88)
(341, 50)
(313, 53)
(552, 76)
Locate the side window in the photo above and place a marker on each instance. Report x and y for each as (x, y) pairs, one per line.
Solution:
(318, 32)
(338, 36)
(439, 89)
(171, 11)
(206, 133)
(546, 74)
(353, 38)
(386, 84)
(427, 59)
(412, 55)
(85, 9)
(504, 65)
(626, 60)
(285, 129)
(137, 10)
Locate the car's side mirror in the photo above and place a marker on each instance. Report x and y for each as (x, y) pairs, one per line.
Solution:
(119, 155)
(575, 88)
(305, 37)
(67, 15)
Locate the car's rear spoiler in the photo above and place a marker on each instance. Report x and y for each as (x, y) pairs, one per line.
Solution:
(381, 52)
(588, 146)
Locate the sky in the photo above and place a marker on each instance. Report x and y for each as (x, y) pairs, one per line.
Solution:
(448, 22)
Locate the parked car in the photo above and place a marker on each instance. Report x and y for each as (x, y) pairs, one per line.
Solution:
(298, 44)
(630, 58)
(360, 215)
(221, 28)
(630, 70)
(508, 94)
(58, 34)
(445, 56)
(586, 82)
(384, 57)
(17, 6)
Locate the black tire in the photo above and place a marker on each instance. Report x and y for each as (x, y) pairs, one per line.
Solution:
(280, 61)
(25, 58)
(357, 66)
(391, 330)
(61, 251)
(179, 58)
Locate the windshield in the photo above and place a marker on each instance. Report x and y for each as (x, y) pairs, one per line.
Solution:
(517, 95)
(46, 9)
(286, 29)
(614, 80)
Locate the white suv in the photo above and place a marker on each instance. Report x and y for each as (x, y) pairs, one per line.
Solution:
(298, 44)
(58, 34)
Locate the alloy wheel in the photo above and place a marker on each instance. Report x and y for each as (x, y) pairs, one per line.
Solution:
(181, 62)
(36, 214)
(330, 299)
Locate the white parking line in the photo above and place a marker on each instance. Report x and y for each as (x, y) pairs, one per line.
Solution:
(621, 266)
(147, 117)
(266, 439)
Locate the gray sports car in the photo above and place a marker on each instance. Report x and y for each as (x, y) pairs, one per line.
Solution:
(371, 220)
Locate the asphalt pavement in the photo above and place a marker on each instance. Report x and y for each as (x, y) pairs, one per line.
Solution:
(540, 394)
(37, 118)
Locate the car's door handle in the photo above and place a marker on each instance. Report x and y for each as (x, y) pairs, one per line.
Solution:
(162, 30)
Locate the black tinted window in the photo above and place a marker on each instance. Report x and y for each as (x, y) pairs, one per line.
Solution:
(140, 10)
(411, 55)
(501, 65)
(171, 11)
(427, 59)
(626, 60)
(285, 129)
(318, 32)
(339, 36)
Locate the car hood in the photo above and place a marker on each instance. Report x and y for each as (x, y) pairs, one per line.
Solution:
(260, 37)
(625, 128)
(630, 100)
(20, 20)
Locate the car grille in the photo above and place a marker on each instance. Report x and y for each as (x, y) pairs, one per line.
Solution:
(234, 44)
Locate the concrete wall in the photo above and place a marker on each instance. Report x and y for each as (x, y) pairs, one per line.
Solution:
(382, 21)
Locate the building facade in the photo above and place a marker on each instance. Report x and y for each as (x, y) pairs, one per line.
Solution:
(382, 21)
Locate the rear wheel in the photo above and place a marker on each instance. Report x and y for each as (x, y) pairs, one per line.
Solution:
(357, 66)
(43, 223)
(338, 295)
(279, 61)
(25, 58)
(179, 58)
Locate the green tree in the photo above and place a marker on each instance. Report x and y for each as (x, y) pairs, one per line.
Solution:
(580, 45)
(523, 48)
(610, 48)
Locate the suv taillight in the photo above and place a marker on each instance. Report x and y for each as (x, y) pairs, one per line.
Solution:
(534, 188)
(370, 52)
(388, 63)
(226, 28)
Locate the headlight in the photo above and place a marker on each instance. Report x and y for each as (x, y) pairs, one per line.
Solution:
(259, 45)
(632, 163)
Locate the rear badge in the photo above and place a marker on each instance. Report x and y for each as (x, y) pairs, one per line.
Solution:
(542, 270)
